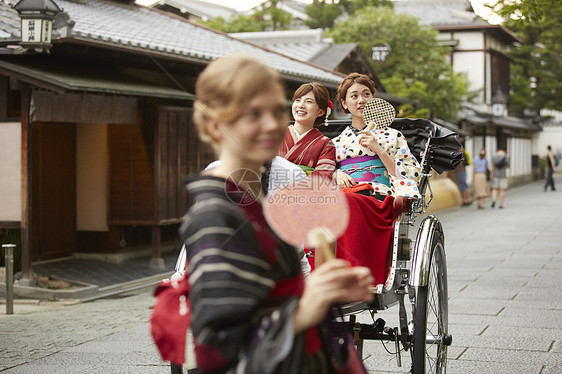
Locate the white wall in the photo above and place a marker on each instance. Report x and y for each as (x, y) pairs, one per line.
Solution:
(468, 58)
(92, 177)
(519, 151)
(550, 135)
(471, 64)
(10, 171)
(469, 40)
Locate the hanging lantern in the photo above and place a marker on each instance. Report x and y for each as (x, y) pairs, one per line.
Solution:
(36, 23)
(499, 102)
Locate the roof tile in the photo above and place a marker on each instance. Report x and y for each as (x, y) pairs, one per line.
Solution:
(113, 23)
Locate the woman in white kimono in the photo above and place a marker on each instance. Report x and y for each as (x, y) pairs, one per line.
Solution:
(374, 160)
(377, 157)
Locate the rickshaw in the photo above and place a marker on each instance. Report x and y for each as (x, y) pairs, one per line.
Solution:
(416, 280)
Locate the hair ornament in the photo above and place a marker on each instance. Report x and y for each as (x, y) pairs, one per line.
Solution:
(328, 112)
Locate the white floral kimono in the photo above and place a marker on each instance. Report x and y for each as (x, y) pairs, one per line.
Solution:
(373, 172)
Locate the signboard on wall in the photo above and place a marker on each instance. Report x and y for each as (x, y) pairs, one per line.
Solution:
(380, 52)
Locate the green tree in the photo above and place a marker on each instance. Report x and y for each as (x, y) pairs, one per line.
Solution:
(417, 66)
(322, 15)
(536, 62)
(266, 17)
(351, 6)
(236, 24)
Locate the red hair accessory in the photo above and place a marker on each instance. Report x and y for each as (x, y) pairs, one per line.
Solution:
(328, 112)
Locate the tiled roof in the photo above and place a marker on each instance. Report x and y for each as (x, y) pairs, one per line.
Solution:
(331, 57)
(138, 28)
(301, 51)
(306, 45)
(298, 6)
(9, 22)
(295, 8)
(440, 12)
(199, 8)
(284, 36)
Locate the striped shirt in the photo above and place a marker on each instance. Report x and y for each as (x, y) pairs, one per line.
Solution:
(245, 286)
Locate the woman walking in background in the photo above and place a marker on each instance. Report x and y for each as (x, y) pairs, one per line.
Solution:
(461, 178)
(480, 179)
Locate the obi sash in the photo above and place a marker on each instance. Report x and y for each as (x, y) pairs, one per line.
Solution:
(307, 169)
(365, 169)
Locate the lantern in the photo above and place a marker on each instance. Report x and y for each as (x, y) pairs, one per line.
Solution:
(36, 23)
(499, 102)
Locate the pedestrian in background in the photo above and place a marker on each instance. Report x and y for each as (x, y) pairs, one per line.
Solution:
(500, 163)
(480, 179)
(461, 178)
(551, 164)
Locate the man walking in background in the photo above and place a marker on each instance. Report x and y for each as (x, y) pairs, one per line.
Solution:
(500, 163)
(551, 164)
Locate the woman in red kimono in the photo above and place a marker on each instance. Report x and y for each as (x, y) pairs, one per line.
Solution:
(303, 144)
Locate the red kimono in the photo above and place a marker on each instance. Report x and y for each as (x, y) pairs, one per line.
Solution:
(313, 151)
(367, 238)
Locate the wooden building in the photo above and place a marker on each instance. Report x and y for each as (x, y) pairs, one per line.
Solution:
(103, 127)
(479, 50)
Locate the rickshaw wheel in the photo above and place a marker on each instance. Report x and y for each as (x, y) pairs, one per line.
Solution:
(430, 315)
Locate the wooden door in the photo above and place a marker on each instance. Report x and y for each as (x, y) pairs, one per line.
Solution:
(53, 205)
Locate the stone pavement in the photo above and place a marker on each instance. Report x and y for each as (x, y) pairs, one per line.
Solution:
(93, 278)
(505, 304)
(505, 287)
(102, 273)
(103, 336)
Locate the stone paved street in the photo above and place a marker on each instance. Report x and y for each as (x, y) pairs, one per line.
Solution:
(505, 287)
(102, 336)
(505, 304)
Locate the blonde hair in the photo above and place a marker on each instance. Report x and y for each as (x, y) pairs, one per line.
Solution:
(225, 86)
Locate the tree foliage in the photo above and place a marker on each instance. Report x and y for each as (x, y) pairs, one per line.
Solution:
(537, 61)
(236, 24)
(267, 17)
(417, 66)
(323, 14)
(351, 6)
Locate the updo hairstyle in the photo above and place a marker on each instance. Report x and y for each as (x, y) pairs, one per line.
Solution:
(349, 81)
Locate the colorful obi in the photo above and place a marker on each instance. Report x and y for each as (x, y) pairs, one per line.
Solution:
(365, 169)
(307, 169)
